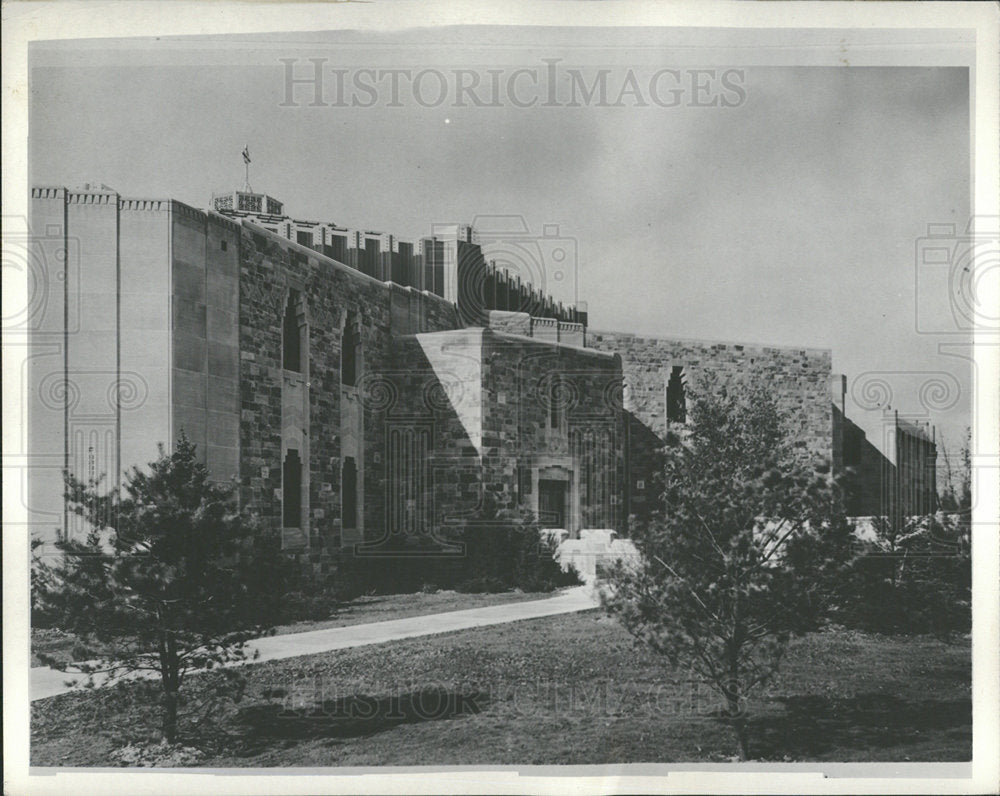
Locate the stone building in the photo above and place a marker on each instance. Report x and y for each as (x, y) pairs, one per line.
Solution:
(348, 408)
(359, 389)
(897, 484)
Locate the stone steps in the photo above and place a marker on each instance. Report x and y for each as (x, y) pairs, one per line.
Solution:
(595, 547)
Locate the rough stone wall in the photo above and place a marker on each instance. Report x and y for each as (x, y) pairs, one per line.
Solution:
(269, 267)
(434, 391)
(520, 444)
(798, 377)
(484, 400)
(415, 311)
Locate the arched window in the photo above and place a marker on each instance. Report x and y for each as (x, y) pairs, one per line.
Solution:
(349, 494)
(350, 353)
(291, 490)
(293, 334)
(676, 399)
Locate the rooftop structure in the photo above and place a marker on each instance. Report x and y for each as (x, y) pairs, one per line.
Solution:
(448, 263)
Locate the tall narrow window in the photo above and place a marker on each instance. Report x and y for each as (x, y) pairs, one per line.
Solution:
(291, 490)
(555, 408)
(292, 333)
(349, 493)
(350, 353)
(676, 400)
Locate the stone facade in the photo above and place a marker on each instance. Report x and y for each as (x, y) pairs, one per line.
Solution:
(553, 426)
(332, 295)
(799, 378)
(351, 410)
(497, 415)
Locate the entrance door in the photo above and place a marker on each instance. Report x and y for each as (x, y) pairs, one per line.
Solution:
(552, 503)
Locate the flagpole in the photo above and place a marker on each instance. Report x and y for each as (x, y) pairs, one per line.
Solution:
(246, 164)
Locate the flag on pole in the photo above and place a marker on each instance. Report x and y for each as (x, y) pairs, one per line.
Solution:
(246, 154)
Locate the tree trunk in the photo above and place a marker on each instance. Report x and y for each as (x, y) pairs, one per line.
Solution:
(170, 716)
(739, 721)
(735, 708)
(169, 673)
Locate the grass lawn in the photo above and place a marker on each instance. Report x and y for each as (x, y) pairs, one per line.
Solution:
(381, 608)
(571, 689)
(376, 608)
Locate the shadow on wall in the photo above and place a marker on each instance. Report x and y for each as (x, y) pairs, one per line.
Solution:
(644, 481)
(423, 428)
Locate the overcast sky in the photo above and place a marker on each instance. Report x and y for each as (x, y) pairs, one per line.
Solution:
(787, 211)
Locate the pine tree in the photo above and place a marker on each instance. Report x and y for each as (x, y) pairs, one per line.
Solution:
(170, 579)
(743, 554)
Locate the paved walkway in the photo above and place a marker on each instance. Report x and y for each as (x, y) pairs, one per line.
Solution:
(46, 682)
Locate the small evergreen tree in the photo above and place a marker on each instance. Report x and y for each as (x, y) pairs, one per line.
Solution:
(912, 575)
(741, 556)
(170, 579)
